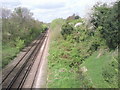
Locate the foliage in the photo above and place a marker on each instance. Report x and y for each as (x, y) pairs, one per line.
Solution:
(107, 18)
(45, 27)
(110, 72)
(19, 43)
(18, 29)
(102, 69)
(77, 17)
(68, 55)
(8, 54)
(66, 30)
(60, 73)
(82, 46)
(56, 24)
(55, 28)
(73, 17)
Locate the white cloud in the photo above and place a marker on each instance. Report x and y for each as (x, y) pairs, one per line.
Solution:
(47, 10)
(10, 3)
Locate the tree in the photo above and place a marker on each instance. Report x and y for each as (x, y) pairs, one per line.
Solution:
(77, 17)
(107, 17)
(66, 30)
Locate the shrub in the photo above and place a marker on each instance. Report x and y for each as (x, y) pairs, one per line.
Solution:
(67, 29)
(19, 43)
(110, 73)
(107, 17)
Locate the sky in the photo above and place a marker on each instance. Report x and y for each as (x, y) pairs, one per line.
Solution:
(48, 10)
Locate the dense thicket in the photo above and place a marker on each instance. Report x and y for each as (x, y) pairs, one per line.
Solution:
(66, 30)
(104, 23)
(106, 17)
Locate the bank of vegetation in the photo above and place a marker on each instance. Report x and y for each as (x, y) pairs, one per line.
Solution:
(84, 52)
(19, 28)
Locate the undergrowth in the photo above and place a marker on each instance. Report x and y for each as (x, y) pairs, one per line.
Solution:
(80, 60)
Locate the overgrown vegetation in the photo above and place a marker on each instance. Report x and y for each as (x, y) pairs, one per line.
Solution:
(106, 17)
(84, 54)
(19, 28)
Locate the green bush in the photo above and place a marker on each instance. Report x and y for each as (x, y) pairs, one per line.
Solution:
(8, 54)
(67, 29)
(107, 17)
(19, 43)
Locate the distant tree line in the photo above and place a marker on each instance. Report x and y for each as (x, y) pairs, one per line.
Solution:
(19, 25)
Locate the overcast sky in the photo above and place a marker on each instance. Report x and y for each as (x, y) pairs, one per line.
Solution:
(47, 10)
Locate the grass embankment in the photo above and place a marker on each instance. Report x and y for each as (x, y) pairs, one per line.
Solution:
(77, 64)
(8, 53)
(62, 53)
(60, 73)
(102, 70)
(11, 49)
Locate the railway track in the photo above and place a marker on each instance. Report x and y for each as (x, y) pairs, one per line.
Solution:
(22, 73)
